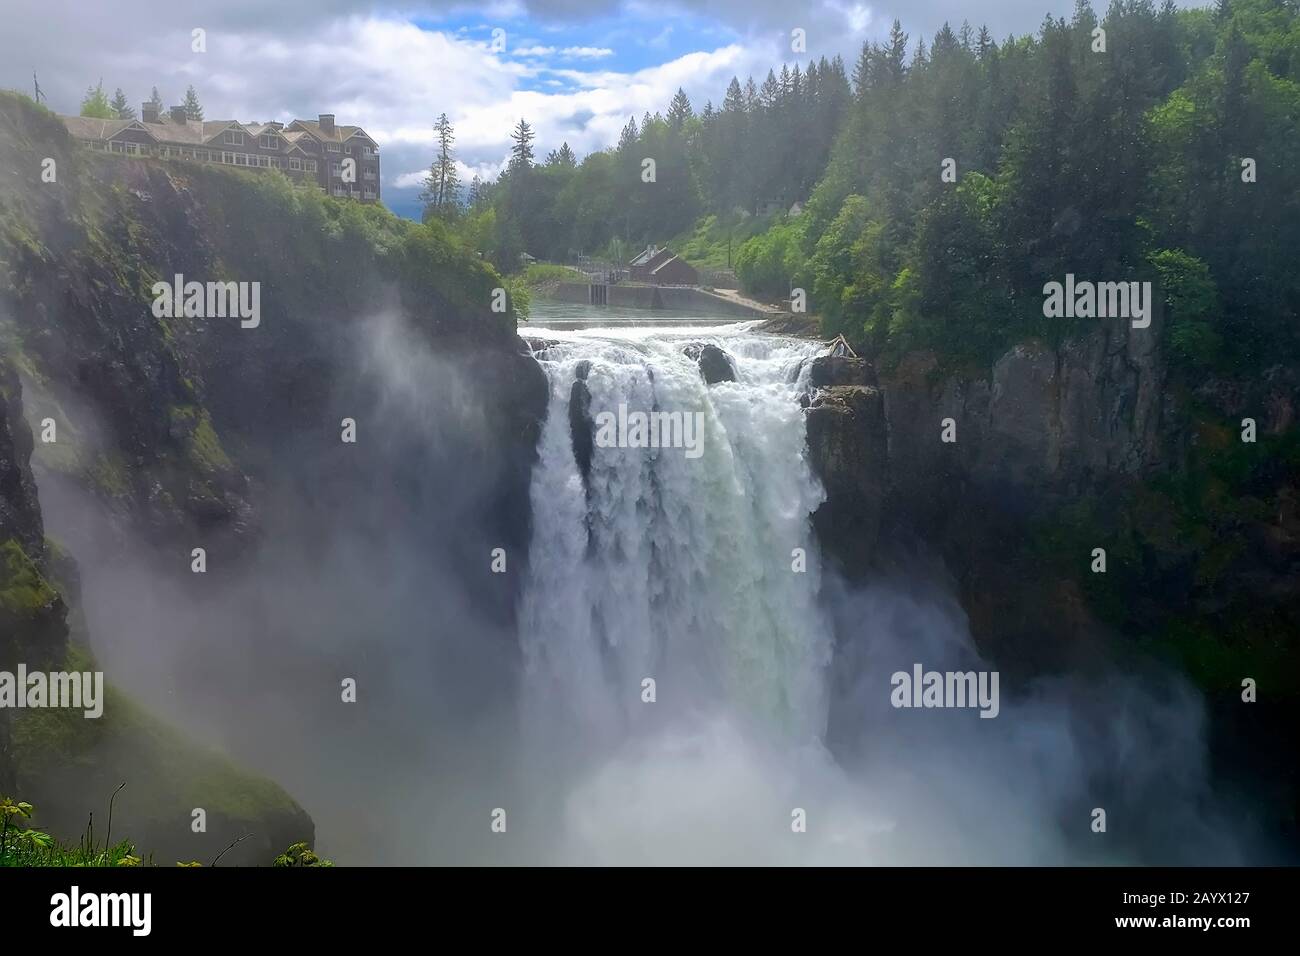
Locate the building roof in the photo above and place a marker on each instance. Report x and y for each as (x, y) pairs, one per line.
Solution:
(339, 134)
(87, 127)
(669, 261)
(200, 132)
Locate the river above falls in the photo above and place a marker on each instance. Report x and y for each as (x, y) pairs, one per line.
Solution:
(567, 315)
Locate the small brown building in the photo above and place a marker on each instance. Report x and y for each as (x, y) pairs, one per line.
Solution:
(673, 271)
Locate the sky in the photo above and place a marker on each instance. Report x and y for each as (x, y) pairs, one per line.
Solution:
(575, 69)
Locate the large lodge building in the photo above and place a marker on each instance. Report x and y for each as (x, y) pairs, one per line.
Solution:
(304, 150)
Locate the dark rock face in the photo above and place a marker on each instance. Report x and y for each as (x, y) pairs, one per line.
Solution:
(33, 615)
(20, 514)
(715, 364)
(581, 425)
(1042, 430)
(830, 370)
(847, 444)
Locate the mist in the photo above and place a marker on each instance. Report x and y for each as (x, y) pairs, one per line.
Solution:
(376, 567)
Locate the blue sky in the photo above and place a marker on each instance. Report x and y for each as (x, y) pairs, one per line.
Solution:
(576, 69)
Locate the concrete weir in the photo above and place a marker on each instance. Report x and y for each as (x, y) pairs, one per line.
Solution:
(685, 299)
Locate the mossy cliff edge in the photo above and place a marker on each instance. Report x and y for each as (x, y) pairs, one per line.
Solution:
(170, 424)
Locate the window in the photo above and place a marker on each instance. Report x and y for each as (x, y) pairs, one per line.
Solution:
(370, 194)
(369, 174)
(336, 169)
(270, 141)
(234, 138)
(332, 147)
(202, 155)
(295, 163)
(309, 165)
(340, 191)
(264, 162)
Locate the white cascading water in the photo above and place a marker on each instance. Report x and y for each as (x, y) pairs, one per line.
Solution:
(673, 568)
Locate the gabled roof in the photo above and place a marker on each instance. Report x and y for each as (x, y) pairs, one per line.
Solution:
(87, 127)
(671, 259)
(339, 135)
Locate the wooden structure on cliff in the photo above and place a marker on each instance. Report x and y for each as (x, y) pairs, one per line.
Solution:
(841, 349)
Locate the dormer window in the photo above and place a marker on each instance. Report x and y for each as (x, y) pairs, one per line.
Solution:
(234, 138)
(270, 141)
(332, 147)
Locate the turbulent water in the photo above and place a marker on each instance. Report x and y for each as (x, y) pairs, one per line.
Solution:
(674, 568)
(682, 571)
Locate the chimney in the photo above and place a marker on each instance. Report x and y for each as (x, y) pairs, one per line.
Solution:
(327, 123)
(149, 112)
(178, 115)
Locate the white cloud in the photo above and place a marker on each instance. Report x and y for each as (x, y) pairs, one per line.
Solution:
(587, 52)
(383, 72)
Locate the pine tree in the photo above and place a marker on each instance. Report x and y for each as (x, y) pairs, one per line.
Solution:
(120, 105)
(476, 192)
(441, 194)
(734, 100)
(984, 43)
(895, 56)
(627, 138)
(862, 69)
(521, 153)
(679, 110)
(192, 108)
(565, 156)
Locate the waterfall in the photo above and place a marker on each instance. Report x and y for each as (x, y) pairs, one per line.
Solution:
(677, 569)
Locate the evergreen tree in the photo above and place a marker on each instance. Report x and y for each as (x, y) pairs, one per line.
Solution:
(679, 110)
(192, 108)
(120, 106)
(441, 194)
(521, 153)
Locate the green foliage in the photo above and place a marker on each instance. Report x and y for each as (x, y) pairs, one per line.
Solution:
(1123, 167)
(23, 590)
(764, 147)
(771, 263)
(539, 275)
(30, 847)
(22, 846)
(95, 103)
(300, 854)
(62, 754)
(1193, 304)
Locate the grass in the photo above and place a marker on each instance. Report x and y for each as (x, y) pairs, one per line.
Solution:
(539, 274)
(22, 846)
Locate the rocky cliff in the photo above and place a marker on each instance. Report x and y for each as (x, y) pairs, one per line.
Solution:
(175, 425)
(1015, 474)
